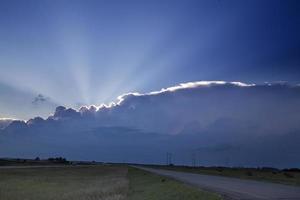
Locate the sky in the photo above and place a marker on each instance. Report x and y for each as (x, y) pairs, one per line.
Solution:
(75, 53)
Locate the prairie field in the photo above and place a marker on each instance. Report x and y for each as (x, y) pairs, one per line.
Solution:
(65, 183)
(98, 182)
(144, 185)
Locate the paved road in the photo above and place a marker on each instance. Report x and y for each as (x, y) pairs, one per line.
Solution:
(234, 188)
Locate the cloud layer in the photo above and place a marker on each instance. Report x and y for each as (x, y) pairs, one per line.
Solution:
(4, 122)
(223, 123)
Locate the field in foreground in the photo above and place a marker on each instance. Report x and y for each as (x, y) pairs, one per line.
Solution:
(92, 183)
(53, 183)
(289, 177)
(144, 185)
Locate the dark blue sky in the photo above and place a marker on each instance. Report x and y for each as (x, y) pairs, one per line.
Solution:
(89, 52)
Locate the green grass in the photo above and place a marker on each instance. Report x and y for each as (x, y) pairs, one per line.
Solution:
(98, 182)
(146, 186)
(64, 183)
(275, 176)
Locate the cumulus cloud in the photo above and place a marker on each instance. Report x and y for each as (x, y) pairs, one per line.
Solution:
(229, 123)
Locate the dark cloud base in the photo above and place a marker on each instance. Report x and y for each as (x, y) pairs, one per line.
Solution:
(232, 124)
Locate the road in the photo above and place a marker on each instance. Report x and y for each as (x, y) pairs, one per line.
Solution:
(234, 188)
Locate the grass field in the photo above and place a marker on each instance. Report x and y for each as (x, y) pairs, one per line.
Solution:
(146, 186)
(99, 182)
(65, 183)
(264, 174)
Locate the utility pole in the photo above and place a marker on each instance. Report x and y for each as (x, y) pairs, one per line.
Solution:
(169, 158)
(194, 159)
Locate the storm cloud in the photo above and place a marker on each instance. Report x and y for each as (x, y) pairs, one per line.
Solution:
(224, 123)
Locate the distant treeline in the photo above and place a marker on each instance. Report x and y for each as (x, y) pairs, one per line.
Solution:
(58, 160)
(36, 161)
(40, 161)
